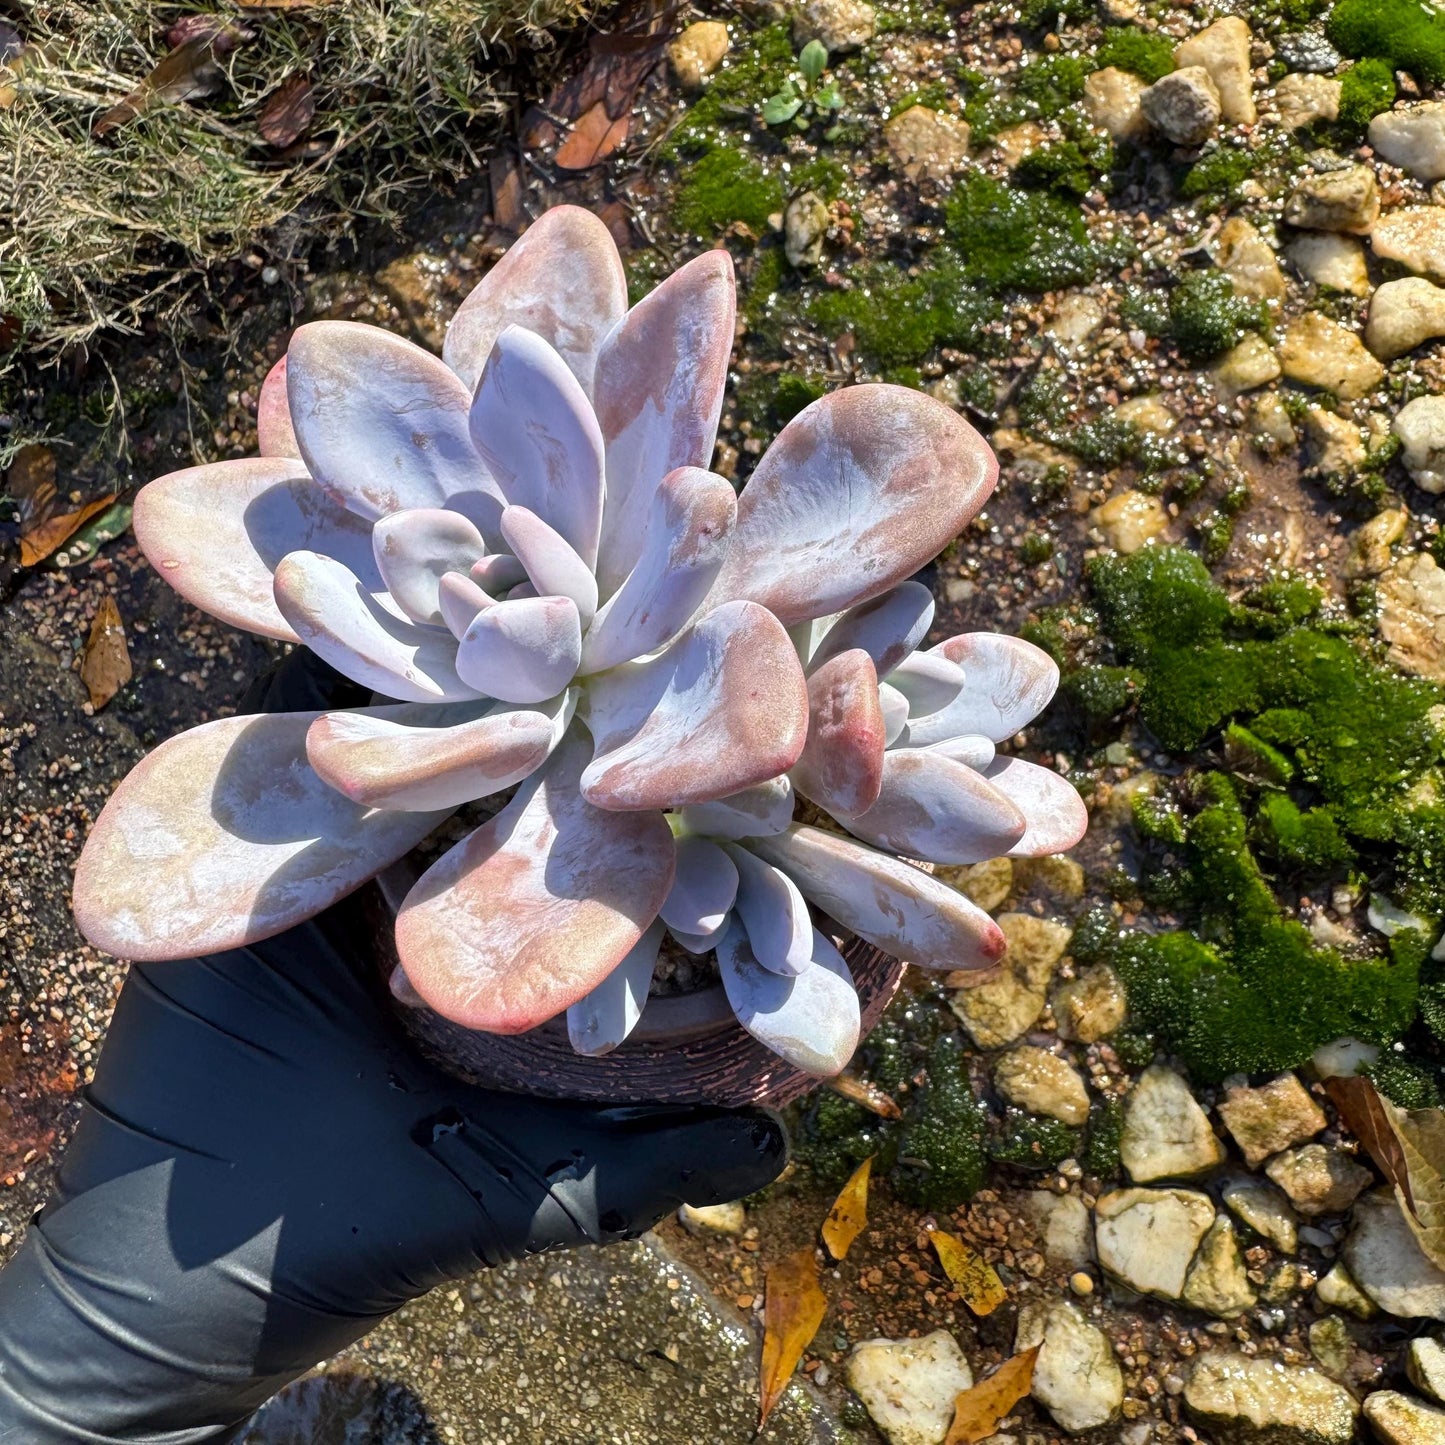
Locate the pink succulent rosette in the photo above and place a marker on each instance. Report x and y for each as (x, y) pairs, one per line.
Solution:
(519, 549)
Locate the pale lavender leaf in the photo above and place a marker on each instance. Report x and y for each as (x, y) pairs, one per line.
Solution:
(563, 280)
(973, 750)
(332, 613)
(533, 424)
(764, 808)
(811, 1020)
(723, 707)
(699, 944)
(598, 1023)
(382, 424)
(460, 600)
(217, 533)
(552, 564)
(705, 885)
(895, 713)
(521, 592)
(223, 836)
(686, 541)
(498, 573)
(1051, 805)
(841, 765)
(534, 909)
(860, 489)
(659, 393)
(773, 913)
(892, 904)
(416, 549)
(887, 628)
(275, 436)
(1008, 683)
(928, 681)
(522, 651)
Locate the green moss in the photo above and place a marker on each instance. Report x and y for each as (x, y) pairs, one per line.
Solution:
(1099, 693)
(942, 1159)
(1032, 1141)
(1106, 1131)
(1252, 758)
(1409, 34)
(1366, 89)
(1040, 91)
(1069, 168)
(1406, 1085)
(936, 95)
(834, 1137)
(1146, 53)
(751, 73)
(1219, 175)
(1035, 14)
(1420, 865)
(1301, 838)
(1035, 548)
(1206, 318)
(724, 186)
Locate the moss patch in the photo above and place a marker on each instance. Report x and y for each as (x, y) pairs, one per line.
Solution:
(724, 186)
(1366, 89)
(1146, 53)
(1201, 314)
(1409, 34)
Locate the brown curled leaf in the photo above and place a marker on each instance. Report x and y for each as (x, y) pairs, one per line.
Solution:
(187, 72)
(849, 1214)
(1367, 1117)
(105, 663)
(288, 112)
(977, 1412)
(972, 1275)
(595, 136)
(792, 1312)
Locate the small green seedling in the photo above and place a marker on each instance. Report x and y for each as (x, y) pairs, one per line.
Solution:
(801, 99)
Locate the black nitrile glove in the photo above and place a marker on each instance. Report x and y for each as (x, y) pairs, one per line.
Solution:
(265, 1169)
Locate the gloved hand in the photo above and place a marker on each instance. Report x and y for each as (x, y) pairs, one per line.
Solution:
(265, 1169)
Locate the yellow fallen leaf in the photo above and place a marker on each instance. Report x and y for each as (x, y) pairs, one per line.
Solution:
(977, 1412)
(849, 1213)
(105, 663)
(972, 1275)
(792, 1312)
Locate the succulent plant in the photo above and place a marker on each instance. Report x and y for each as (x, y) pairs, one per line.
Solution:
(518, 548)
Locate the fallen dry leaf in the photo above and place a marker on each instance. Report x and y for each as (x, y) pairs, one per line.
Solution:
(849, 1213)
(792, 1312)
(595, 136)
(972, 1275)
(105, 663)
(977, 1412)
(865, 1095)
(188, 72)
(507, 191)
(1367, 1116)
(288, 112)
(38, 544)
(30, 483)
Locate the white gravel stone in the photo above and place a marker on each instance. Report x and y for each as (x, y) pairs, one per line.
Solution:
(1425, 1365)
(1400, 1419)
(1248, 259)
(1065, 1227)
(1184, 106)
(1265, 1210)
(1302, 99)
(1241, 1399)
(1111, 100)
(1320, 352)
(1338, 1290)
(1332, 260)
(1403, 315)
(927, 144)
(1420, 426)
(1130, 519)
(1336, 446)
(1265, 1120)
(1341, 1058)
(1413, 138)
(998, 1011)
(840, 25)
(1318, 1180)
(1090, 1006)
(1347, 199)
(909, 1386)
(1217, 1282)
(1388, 1264)
(1166, 1134)
(1223, 50)
(697, 52)
(1146, 1238)
(1415, 237)
(714, 1218)
(805, 224)
(1076, 1377)
(1043, 1083)
(1412, 615)
(1246, 367)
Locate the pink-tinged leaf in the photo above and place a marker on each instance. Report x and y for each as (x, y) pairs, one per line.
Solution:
(724, 707)
(1008, 683)
(332, 613)
(704, 888)
(223, 836)
(408, 757)
(774, 914)
(275, 436)
(416, 549)
(888, 628)
(459, 600)
(841, 766)
(537, 907)
(553, 566)
(499, 573)
(933, 808)
(532, 423)
(659, 393)
(1055, 813)
(563, 280)
(686, 542)
(521, 592)
(599, 1022)
(382, 424)
(753, 812)
(860, 489)
(895, 712)
(811, 1020)
(928, 681)
(973, 750)
(699, 944)
(899, 908)
(217, 533)
(522, 651)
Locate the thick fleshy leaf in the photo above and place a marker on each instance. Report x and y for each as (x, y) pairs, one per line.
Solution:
(416, 757)
(217, 534)
(895, 906)
(811, 1019)
(888, 628)
(562, 280)
(599, 1022)
(722, 708)
(498, 573)
(687, 539)
(223, 836)
(659, 393)
(858, 491)
(382, 424)
(753, 812)
(460, 600)
(895, 712)
(698, 944)
(704, 888)
(552, 564)
(522, 651)
(973, 750)
(841, 767)
(275, 436)
(1051, 805)
(416, 549)
(534, 426)
(537, 907)
(933, 808)
(1008, 683)
(335, 617)
(928, 681)
(773, 912)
